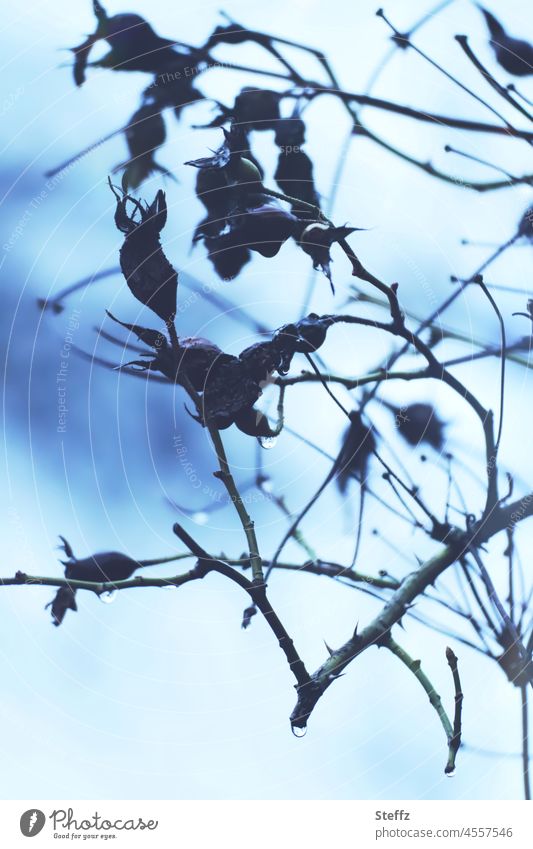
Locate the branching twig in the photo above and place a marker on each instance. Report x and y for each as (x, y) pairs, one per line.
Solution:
(435, 700)
(397, 606)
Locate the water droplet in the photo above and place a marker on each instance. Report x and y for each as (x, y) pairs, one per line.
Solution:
(267, 486)
(201, 518)
(299, 732)
(107, 598)
(267, 442)
(450, 774)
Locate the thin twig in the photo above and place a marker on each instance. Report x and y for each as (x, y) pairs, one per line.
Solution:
(525, 741)
(455, 740)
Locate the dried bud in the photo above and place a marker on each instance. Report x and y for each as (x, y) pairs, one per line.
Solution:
(149, 275)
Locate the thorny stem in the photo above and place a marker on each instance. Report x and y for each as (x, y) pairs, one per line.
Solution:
(257, 593)
(397, 606)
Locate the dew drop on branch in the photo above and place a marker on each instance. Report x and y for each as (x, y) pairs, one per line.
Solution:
(299, 732)
(267, 442)
(108, 598)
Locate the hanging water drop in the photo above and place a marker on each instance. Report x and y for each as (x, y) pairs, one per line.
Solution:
(267, 442)
(107, 598)
(299, 731)
(451, 773)
(200, 517)
(267, 486)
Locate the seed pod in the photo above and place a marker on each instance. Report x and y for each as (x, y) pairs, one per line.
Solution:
(308, 334)
(135, 46)
(198, 357)
(213, 190)
(265, 228)
(290, 132)
(227, 254)
(317, 239)
(419, 423)
(525, 227)
(101, 568)
(245, 171)
(149, 275)
(261, 359)
(294, 176)
(145, 133)
(229, 390)
(254, 423)
(104, 567)
(256, 109)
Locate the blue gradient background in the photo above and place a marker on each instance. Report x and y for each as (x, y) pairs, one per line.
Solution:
(161, 695)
